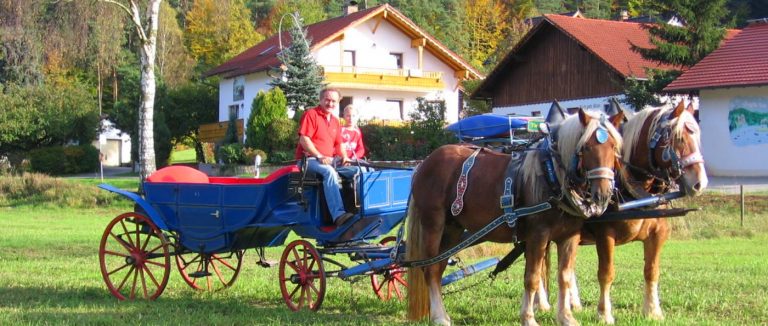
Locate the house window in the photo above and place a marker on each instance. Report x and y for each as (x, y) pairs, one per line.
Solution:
(398, 59)
(395, 105)
(349, 58)
(347, 100)
(233, 111)
(535, 113)
(238, 89)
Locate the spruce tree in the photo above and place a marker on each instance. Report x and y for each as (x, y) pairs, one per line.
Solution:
(302, 79)
(679, 46)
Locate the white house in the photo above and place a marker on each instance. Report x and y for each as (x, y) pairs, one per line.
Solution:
(378, 58)
(114, 145)
(732, 82)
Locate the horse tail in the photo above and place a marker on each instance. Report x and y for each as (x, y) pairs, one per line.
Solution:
(418, 296)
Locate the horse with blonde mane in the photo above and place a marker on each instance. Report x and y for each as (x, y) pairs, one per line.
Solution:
(661, 153)
(584, 149)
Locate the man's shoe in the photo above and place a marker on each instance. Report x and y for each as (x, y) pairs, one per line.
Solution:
(343, 218)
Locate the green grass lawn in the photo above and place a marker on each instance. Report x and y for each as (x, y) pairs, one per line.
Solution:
(51, 275)
(183, 156)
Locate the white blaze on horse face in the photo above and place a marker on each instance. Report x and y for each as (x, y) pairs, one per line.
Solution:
(687, 140)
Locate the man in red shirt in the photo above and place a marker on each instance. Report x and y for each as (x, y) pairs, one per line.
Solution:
(319, 139)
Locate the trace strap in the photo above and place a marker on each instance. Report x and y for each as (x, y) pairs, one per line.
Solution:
(504, 218)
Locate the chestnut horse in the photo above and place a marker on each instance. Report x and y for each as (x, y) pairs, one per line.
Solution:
(586, 149)
(661, 152)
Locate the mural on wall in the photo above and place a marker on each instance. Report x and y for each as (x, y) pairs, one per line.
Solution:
(748, 121)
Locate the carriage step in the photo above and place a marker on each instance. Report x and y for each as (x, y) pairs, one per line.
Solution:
(266, 263)
(199, 274)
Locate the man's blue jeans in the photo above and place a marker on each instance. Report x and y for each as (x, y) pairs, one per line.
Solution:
(330, 186)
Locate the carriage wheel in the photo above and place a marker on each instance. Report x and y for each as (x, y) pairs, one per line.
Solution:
(134, 257)
(302, 276)
(391, 282)
(210, 272)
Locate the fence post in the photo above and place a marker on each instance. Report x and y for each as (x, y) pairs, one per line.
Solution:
(741, 189)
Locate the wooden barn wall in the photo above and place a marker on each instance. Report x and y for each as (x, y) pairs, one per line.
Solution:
(553, 66)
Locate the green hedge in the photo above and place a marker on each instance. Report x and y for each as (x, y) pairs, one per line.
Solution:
(60, 160)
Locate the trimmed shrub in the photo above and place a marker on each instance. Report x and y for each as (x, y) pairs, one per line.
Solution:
(59, 160)
(231, 154)
(48, 160)
(249, 155)
(282, 135)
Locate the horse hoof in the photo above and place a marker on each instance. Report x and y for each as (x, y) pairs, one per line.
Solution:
(655, 315)
(544, 306)
(441, 322)
(568, 321)
(577, 307)
(530, 322)
(607, 320)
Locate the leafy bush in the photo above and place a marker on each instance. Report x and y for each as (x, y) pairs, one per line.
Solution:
(48, 160)
(282, 135)
(65, 160)
(411, 140)
(249, 155)
(266, 108)
(231, 154)
(280, 157)
(34, 116)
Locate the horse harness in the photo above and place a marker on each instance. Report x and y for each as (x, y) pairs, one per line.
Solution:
(577, 177)
(663, 139)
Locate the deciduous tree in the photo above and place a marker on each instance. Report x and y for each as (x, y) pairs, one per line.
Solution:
(219, 30)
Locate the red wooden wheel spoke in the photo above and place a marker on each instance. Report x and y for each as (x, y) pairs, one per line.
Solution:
(122, 242)
(223, 262)
(125, 231)
(119, 268)
(151, 276)
(155, 263)
(159, 247)
(127, 276)
(143, 283)
(133, 286)
(107, 252)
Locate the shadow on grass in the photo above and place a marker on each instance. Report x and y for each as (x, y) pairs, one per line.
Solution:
(48, 305)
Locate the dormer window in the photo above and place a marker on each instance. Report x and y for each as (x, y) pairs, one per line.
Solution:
(238, 89)
(398, 59)
(349, 58)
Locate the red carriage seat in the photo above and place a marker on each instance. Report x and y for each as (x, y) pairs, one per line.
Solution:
(178, 174)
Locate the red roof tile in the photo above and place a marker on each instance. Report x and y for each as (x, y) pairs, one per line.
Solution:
(263, 56)
(741, 61)
(611, 41)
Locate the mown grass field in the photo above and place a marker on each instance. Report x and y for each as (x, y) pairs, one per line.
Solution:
(713, 273)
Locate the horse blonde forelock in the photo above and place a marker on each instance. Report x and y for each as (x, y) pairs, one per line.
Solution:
(679, 129)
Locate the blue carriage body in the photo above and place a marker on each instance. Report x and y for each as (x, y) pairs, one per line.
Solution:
(237, 213)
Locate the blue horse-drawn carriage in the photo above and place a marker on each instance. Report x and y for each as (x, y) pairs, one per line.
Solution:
(207, 223)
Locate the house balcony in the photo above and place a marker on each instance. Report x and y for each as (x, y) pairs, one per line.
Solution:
(384, 79)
